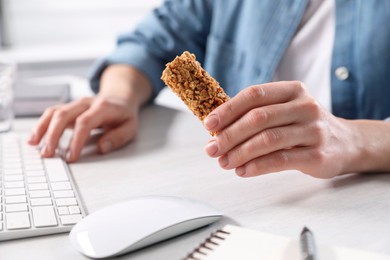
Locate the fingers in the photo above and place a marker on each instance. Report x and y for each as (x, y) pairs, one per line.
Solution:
(266, 142)
(272, 127)
(43, 123)
(113, 116)
(250, 98)
(116, 116)
(304, 159)
(90, 119)
(253, 122)
(117, 137)
(112, 139)
(54, 124)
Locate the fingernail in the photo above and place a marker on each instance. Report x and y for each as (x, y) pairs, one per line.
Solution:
(106, 147)
(211, 148)
(240, 171)
(223, 161)
(32, 138)
(68, 156)
(46, 150)
(211, 122)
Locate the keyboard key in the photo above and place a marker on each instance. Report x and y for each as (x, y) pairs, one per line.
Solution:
(12, 159)
(16, 207)
(38, 186)
(28, 149)
(39, 194)
(14, 184)
(74, 210)
(13, 171)
(13, 178)
(35, 173)
(32, 160)
(55, 169)
(44, 216)
(61, 186)
(10, 150)
(63, 194)
(63, 211)
(18, 220)
(33, 167)
(36, 179)
(66, 202)
(10, 166)
(70, 219)
(15, 199)
(11, 192)
(41, 202)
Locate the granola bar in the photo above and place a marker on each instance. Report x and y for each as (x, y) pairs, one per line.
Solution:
(195, 87)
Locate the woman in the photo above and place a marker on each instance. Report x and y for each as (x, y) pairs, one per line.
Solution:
(325, 119)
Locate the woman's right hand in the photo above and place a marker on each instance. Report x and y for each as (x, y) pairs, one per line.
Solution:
(123, 90)
(117, 117)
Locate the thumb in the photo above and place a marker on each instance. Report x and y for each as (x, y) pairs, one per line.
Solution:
(117, 137)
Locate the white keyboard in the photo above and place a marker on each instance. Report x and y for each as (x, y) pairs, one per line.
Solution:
(37, 196)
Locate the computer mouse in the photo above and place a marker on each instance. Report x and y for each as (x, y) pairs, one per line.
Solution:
(139, 222)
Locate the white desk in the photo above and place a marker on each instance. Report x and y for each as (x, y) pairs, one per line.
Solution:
(168, 158)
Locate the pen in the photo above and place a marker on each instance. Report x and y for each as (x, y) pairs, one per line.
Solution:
(308, 246)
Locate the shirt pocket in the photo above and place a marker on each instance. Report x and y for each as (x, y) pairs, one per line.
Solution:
(224, 62)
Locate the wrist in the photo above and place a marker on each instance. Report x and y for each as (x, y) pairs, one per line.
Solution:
(126, 83)
(372, 144)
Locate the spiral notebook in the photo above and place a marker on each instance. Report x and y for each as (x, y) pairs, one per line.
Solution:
(233, 242)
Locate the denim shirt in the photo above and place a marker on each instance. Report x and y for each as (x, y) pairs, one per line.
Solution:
(240, 43)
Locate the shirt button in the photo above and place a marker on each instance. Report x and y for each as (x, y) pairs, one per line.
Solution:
(342, 73)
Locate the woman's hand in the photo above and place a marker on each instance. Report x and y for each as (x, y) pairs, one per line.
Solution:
(279, 126)
(123, 90)
(117, 117)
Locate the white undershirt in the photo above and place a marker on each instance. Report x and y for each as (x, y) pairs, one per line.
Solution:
(308, 57)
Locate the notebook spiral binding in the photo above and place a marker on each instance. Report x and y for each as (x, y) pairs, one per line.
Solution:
(209, 244)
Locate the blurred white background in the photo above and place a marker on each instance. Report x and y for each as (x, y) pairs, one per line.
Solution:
(59, 22)
(48, 37)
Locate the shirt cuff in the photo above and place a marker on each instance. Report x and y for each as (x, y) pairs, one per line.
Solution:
(387, 119)
(133, 55)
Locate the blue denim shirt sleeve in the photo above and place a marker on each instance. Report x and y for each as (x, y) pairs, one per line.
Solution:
(176, 26)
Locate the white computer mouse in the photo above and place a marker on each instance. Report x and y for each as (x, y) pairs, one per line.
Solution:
(139, 222)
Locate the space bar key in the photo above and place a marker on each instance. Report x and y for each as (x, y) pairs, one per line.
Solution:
(55, 169)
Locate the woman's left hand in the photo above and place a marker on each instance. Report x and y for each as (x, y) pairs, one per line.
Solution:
(279, 126)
